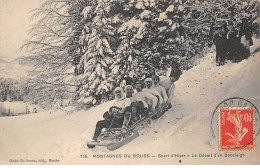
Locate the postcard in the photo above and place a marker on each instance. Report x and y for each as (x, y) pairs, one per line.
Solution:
(129, 82)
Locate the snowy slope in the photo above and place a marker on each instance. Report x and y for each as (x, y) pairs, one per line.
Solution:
(184, 129)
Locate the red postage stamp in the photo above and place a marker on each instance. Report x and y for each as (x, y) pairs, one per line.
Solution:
(236, 128)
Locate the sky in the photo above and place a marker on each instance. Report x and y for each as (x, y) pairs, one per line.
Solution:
(14, 26)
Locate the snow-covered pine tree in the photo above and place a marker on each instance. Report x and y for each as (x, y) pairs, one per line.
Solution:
(130, 34)
(98, 57)
(152, 35)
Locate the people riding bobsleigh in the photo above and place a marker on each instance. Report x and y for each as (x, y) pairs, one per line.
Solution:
(161, 90)
(149, 89)
(120, 120)
(173, 74)
(147, 97)
(113, 118)
(139, 108)
(143, 104)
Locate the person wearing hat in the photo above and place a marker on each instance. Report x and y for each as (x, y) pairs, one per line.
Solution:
(147, 97)
(114, 119)
(148, 84)
(138, 107)
(246, 33)
(234, 45)
(220, 41)
(129, 90)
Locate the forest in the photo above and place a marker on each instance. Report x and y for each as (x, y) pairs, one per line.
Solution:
(82, 49)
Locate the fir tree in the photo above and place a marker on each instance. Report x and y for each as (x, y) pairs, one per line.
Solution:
(98, 57)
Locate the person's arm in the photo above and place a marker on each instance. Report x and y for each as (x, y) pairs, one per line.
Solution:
(144, 103)
(107, 116)
(228, 34)
(238, 35)
(214, 39)
(151, 97)
(127, 102)
(156, 93)
(123, 104)
(164, 95)
(171, 93)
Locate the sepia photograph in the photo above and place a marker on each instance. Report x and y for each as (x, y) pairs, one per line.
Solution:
(129, 82)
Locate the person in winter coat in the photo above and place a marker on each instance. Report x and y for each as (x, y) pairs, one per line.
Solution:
(112, 119)
(234, 45)
(246, 34)
(220, 42)
(127, 80)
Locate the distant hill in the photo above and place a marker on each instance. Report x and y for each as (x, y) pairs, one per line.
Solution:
(13, 69)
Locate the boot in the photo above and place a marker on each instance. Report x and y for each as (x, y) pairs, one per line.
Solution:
(146, 112)
(95, 139)
(134, 114)
(127, 118)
